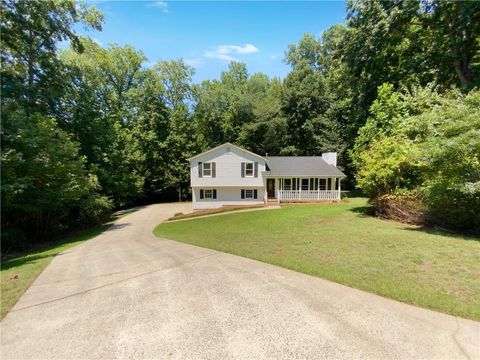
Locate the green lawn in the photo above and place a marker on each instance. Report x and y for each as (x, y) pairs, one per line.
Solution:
(339, 242)
(18, 273)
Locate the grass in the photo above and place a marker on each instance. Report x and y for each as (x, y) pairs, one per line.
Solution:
(339, 242)
(20, 270)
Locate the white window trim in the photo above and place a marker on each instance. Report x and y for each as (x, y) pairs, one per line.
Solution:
(210, 191)
(285, 185)
(253, 169)
(246, 192)
(210, 169)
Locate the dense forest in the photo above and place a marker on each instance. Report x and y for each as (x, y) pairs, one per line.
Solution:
(91, 129)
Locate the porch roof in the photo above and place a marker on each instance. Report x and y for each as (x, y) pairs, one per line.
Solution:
(300, 166)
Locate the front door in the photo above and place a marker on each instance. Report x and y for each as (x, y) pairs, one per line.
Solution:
(271, 188)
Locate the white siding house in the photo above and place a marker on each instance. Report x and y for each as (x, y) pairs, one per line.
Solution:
(230, 175)
(226, 175)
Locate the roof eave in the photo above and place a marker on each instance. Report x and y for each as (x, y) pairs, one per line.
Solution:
(226, 144)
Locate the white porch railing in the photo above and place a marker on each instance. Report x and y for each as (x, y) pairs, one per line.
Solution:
(308, 194)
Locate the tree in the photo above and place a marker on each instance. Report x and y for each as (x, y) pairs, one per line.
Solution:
(313, 124)
(44, 182)
(430, 153)
(176, 78)
(32, 76)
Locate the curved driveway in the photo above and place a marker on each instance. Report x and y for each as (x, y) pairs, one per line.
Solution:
(127, 294)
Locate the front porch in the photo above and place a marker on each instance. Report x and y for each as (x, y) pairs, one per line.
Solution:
(283, 189)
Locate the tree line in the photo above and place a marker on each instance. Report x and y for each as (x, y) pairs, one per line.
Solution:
(90, 129)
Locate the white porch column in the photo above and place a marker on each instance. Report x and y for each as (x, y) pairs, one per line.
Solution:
(278, 182)
(318, 188)
(339, 188)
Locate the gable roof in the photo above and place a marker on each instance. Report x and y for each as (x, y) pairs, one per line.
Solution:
(225, 145)
(300, 166)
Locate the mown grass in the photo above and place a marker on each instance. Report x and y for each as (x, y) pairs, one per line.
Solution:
(20, 270)
(341, 243)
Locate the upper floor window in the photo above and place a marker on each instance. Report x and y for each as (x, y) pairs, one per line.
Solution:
(249, 169)
(207, 169)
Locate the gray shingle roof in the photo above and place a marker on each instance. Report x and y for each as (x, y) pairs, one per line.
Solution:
(300, 166)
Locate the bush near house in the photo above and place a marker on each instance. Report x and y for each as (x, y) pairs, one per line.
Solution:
(419, 153)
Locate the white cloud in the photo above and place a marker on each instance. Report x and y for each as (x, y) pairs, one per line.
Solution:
(97, 41)
(226, 52)
(193, 62)
(162, 5)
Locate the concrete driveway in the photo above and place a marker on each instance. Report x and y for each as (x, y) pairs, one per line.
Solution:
(127, 294)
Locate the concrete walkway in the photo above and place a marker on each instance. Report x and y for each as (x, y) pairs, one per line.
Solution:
(127, 294)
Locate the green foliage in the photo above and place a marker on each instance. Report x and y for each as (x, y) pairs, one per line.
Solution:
(434, 151)
(32, 76)
(44, 182)
(450, 157)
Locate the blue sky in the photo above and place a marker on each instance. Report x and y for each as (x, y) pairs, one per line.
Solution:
(207, 35)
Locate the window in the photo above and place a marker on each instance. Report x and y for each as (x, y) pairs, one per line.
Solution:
(249, 194)
(249, 169)
(304, 184)
(208, 194)
(287, 184)
(207, 169)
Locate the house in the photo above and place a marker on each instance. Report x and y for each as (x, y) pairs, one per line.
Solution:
(230, 175)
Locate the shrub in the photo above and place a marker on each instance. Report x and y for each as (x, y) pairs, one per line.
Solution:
(434, 154)
(45, 187)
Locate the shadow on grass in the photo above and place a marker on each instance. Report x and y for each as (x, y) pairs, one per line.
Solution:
(369, 211)
(364, 211)
(432, 230)
(42, 251)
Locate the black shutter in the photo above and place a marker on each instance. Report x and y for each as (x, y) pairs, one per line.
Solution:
(200, 168)
(243, 170)
(256, 169)
(214, 192)
(255, 193)
(242, 193)
(214, 169)
(201, 193)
